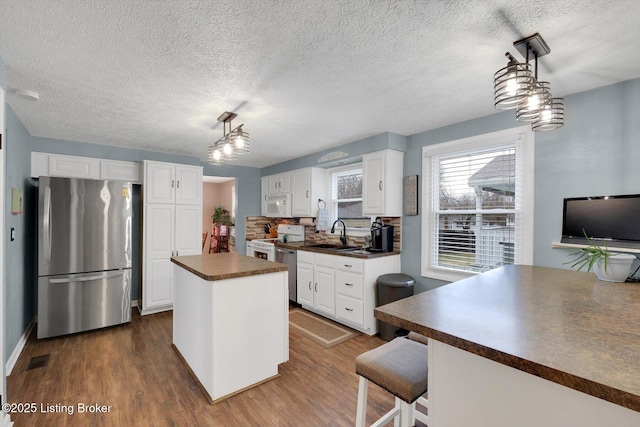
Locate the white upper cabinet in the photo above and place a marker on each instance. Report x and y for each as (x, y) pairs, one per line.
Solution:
(382, 183)
(171, 183)
(280, 183)
(264, 192)
(159, 182)
(307, 186)
(74, 167)
(59, 165)
(188, 185)
(119, 170)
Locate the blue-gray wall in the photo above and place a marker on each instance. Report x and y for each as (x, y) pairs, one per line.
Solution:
(595, 153)
(20, 254)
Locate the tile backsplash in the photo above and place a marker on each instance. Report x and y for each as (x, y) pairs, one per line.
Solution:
(255, 230)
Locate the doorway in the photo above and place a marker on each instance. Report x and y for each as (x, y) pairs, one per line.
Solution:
(218, 192)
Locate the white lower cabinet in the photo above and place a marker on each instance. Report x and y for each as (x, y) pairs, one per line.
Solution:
(343, 288)
(316, 282)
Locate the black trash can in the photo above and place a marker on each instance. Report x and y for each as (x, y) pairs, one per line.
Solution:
(392, 287)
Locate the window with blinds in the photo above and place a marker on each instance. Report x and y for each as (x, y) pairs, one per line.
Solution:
(475, 205)
(346, 196)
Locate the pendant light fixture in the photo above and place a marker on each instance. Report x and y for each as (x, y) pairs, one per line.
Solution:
(515, 86)
(231, 144)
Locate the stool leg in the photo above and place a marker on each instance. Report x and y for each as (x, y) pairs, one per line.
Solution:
(361, 413)
(406, 414)
(398, 417)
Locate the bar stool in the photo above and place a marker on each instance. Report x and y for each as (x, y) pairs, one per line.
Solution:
(400, 367)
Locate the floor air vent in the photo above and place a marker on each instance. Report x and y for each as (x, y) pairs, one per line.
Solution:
(38, 362)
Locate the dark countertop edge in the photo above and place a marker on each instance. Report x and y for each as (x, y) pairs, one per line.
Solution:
(276, 268)
(300, 246)
(592, 388)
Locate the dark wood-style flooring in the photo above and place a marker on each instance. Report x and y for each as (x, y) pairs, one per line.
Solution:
(133, 369)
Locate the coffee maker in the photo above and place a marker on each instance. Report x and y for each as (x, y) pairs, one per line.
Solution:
(381, 236)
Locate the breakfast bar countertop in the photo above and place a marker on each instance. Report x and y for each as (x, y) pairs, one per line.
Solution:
(226, 265)
(561, 325)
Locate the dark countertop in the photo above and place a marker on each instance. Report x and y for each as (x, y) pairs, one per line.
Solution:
(301, 247)
(227, 265)
(560, 325)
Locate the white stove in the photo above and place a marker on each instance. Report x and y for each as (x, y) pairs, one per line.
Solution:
(266, 248)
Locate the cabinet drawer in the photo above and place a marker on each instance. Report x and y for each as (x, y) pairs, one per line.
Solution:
(350, 284)
(324, 260)
(350, 309)
(305, 256)
(345, 263)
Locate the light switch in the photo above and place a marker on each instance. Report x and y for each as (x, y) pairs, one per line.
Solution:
(13, 234)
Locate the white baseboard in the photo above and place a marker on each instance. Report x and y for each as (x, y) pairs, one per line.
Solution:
(134, 302)
(11, 362)
(6, 421)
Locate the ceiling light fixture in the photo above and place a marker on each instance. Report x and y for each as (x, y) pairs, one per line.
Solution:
(231, 144)
(515, 86)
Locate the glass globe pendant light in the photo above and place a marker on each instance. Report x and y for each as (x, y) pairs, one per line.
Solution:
(231, 144)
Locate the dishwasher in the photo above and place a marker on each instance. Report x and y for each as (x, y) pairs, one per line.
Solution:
(289, 257)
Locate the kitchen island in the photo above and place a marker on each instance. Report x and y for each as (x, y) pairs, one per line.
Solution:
(529, 346)
(230, 320)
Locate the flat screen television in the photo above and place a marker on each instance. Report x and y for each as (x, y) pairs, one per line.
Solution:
(610, 220)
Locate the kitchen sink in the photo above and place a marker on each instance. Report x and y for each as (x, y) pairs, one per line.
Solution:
(332, 247)
(346, 248)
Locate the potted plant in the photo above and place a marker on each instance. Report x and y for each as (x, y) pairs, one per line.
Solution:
(221, 220)
(608, 266)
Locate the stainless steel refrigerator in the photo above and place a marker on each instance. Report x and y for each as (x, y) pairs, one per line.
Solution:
(84, 255)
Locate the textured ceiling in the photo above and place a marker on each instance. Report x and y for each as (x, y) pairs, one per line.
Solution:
(302, 75)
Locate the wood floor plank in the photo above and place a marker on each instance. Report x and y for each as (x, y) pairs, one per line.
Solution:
(133, 369)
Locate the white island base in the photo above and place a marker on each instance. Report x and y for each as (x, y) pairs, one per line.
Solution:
(232, 333)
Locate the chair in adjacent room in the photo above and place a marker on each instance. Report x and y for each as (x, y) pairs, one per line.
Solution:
(204, 238)
(400, 367)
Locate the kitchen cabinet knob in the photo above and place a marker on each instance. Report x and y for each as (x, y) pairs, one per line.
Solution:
(348, 309)
(349, 284)
(172, 183)
(316, 287)
(309, 285)
(178, 186)
(348, 265)
(307, 194)
(380, 185)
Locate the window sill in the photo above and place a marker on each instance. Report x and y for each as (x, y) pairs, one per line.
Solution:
(446, 274)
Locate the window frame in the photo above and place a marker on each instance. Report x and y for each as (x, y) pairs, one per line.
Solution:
(524, 140)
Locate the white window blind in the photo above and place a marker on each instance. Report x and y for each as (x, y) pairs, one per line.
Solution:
(475, 194)
(346, 196)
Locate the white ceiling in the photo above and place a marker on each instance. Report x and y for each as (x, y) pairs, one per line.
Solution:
(302, 75)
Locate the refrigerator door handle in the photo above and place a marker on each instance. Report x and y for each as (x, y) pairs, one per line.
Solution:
(47, 224)
(107, 275)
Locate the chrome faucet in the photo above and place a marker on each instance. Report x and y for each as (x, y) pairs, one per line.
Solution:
(343, 236)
